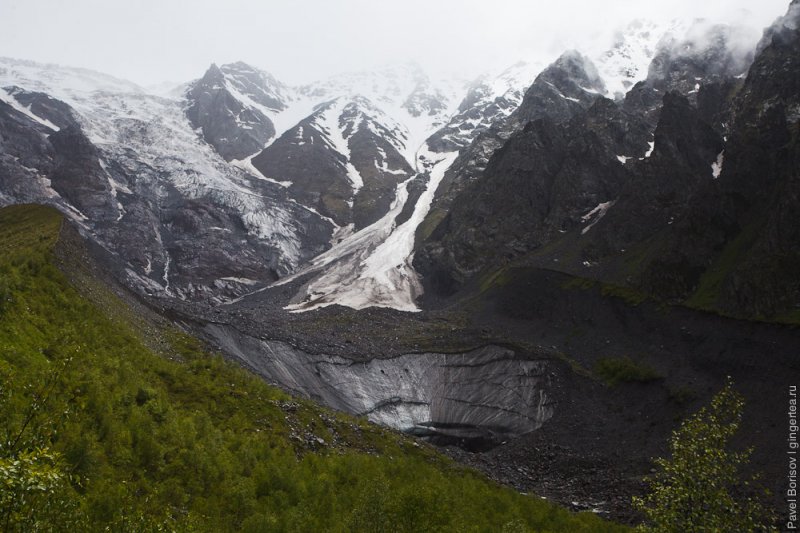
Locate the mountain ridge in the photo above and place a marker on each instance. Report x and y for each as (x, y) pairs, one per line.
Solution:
(251, 121)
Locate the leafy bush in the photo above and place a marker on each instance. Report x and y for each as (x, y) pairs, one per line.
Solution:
(700, 487)
(616, 370)
(682, 395)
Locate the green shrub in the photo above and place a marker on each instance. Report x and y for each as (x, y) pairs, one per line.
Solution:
(682, 395)
(616, 370)
(701, 487)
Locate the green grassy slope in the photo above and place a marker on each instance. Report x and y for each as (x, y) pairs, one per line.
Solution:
(108, 420)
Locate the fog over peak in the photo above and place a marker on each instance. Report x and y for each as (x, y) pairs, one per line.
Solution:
(152, 41)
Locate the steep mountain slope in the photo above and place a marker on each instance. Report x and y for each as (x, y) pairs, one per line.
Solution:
(173, 172)
(347, 157)
(570, 84)
(366, 271)
(372, 267)
(419, 104)
(488, 101)
(711, 226)
(344, 160)
(585, 219)
(749, 270)
(119, 420)
(233, 105)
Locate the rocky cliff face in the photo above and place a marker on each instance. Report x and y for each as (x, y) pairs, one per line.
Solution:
(563, 89)
(232, 106)
(758, 182)
(570, 84)
(704, 63)
(690, 217)
(574, 82)
(489, 100)
(730, 247)
(549, 179)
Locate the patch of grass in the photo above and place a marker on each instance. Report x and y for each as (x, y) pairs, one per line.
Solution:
(789, 317)
(636, 259)
(494, 279)
(629, 295)
(579, 283)
(616, 370)
(429, 224)
(709, 290)
(180, 439)
(682, 395)
(335, 204)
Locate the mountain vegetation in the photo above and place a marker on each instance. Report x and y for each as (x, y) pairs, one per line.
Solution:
(114, 420)
(702, 486)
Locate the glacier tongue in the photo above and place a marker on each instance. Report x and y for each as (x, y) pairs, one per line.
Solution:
(152, 155)
(372, 268)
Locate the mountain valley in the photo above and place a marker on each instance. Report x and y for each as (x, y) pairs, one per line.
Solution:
(460, 261)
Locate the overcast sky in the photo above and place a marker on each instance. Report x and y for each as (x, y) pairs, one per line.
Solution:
(151, 41)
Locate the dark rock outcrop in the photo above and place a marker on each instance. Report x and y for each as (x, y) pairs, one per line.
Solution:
(218, 105)
(78, 176)
(545, 180)
(705, 65)
(568, 86)
(703, 216)
(44, 106)
(562, 90)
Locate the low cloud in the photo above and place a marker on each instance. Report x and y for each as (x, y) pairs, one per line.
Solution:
(155, 40)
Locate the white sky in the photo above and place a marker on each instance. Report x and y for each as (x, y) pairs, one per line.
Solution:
(152, 41)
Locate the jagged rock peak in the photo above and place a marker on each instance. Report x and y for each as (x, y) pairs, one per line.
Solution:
(257, 84)
(213, 73)
(234, 105)
(568, 85)
(580, 69)
(782, 27)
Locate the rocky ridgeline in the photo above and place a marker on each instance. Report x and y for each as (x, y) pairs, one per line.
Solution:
(681, 191)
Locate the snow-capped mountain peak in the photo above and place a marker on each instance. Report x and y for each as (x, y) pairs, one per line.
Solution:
(404, 93)
(627, 60)
(256, 85)
(489, 99)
